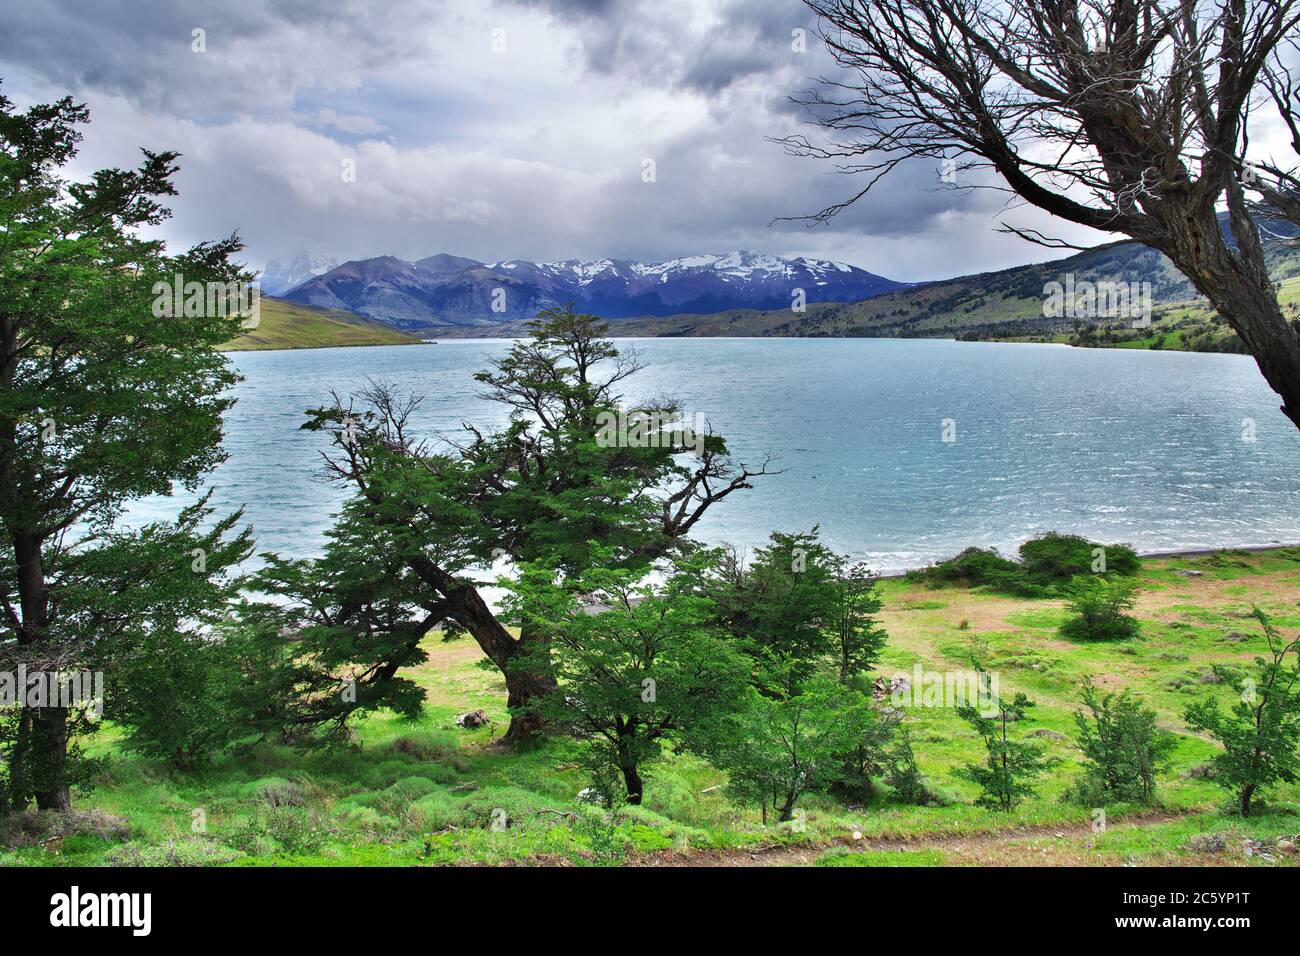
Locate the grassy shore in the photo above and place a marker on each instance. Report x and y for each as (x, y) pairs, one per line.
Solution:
(426, 792)
(288, 325)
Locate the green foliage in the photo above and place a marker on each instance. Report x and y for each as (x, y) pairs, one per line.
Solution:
(1005, 777)
(1046, 567)
(1053, 558)
(335, 632)
(645, 668)
(1261, 731)
(803, 605)
(552, 487)
(1123, 750)
(102, 401)
(903, 776)
(973, 566)
(1097, 607)
(598, 830)
(781, 745)
(292, 830)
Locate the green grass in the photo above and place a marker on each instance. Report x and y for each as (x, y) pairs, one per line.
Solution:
(288, 325)
(424, 792)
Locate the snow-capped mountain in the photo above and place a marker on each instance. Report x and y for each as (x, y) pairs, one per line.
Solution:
(451, 290)
(281, 275)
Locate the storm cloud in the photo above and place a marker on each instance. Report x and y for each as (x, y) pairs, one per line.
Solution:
(520, 128)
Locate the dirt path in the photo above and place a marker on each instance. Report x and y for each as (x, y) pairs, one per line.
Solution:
(1055, 845)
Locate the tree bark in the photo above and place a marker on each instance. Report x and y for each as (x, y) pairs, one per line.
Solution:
(41, 764)
(524, 683)
(1237, 283)
(787, 809)
(1247, 792)
(635, 786)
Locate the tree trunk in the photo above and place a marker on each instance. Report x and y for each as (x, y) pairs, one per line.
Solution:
(523, 688)
(50, 757)
(41, 768)
(1237, 283)
(632, 780)
(1247, 792)
(526, 680)
(787, 809)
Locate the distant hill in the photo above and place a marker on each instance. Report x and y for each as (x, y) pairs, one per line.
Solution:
(1007, 304)
(452, 291)
(289, 325)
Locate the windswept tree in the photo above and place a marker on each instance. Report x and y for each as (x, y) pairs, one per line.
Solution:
(1126, 116)
(101, 402)
(560, 481)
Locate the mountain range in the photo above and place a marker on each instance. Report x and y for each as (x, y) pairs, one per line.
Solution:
(281, 275)
(446, 291)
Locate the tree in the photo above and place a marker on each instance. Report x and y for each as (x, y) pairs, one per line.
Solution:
(858, 639)
(644, 667)
(545, 488)
(101, 402)
(1010, 765)
(1123, 749)
(1260, 733)
(336, 632)
(803, 604)
(781, 745)
(1126, 116)
(904, 776)
(150, 611)
(1098, 607)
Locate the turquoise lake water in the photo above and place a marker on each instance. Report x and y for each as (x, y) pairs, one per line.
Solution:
(1141, 447)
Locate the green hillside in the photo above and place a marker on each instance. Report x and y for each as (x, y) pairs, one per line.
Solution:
(998, 306)
(288, 325)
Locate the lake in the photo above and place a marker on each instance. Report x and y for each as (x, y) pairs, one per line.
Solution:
(1143, 447)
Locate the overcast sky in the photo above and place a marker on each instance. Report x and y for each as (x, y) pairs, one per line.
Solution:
(487, 128)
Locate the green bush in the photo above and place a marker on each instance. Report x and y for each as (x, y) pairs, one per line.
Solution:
(293, 830)
(1097, 607)
(1047, 565)
(1123, 750)
(1054, 558)
(972, 566)
(192, 851)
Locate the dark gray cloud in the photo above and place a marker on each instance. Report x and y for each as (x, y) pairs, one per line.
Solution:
(257, 54)
(494, 130)
(741, 38)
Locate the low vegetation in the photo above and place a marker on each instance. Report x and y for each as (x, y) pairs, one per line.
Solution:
(421, 790)
(1049, 566)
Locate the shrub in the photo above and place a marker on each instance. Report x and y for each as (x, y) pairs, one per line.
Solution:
(1098, 607)
(1047, 565)
(973, 566)
(1123, 750)
(1054, 558)
(903, 776)
(188, 852)
(1009, 766)
(291, 829)
(1261, 731)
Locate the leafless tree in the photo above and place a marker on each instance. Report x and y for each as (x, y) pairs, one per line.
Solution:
(1127, 116)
